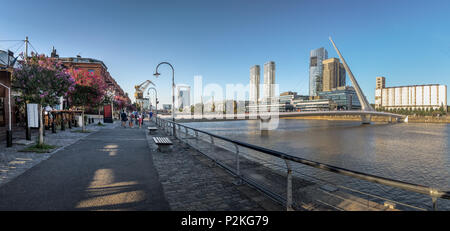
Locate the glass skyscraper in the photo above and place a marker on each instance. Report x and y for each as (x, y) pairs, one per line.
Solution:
(316, 70)
(344, 97)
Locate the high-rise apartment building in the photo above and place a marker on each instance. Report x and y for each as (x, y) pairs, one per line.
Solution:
(254, 84)
(316, 70)
(184, 96)
(269, 80)
(333, 75)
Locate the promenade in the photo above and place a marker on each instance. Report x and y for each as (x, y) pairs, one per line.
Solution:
(115, 168)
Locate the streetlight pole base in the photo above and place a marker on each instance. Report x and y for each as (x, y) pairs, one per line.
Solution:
(28, 133)
(9, 138)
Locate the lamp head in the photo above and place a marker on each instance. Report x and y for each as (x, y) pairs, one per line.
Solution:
(156, 74)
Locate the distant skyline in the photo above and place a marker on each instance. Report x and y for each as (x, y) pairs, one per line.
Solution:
(405, 41)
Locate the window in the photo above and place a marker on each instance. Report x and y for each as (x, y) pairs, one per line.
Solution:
(91, 71)
(313, 62)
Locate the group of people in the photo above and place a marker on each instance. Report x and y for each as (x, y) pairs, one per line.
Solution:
(133, 118)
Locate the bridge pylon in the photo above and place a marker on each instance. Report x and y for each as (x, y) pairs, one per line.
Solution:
(365, 105)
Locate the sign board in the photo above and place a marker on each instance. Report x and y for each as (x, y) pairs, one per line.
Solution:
(33, 115)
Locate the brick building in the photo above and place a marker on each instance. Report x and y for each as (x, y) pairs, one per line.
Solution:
(94, 66)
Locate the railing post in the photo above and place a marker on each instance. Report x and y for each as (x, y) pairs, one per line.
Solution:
(433, 194)
(238, 169)
(434, 199)
(289, 187)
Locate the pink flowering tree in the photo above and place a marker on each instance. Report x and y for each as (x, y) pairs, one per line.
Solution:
(43, 81)
(120, 102)
(89, 90)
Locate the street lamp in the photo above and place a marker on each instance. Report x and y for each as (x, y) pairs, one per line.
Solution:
(156, 101)
(173, 91)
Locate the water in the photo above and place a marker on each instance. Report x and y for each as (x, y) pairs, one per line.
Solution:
(414, 153)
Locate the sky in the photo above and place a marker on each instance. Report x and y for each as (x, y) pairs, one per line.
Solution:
(408, 42)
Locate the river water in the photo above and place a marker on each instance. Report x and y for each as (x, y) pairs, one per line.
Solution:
(415, 153)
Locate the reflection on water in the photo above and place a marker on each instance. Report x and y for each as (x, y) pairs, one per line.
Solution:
(415, 153)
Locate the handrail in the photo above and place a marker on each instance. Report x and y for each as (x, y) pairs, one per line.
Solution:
(434, 193)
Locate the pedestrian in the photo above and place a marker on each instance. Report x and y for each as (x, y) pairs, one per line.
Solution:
(140, 119)
(143, 117)
(131, 120)
(124, 118)
(136, 117)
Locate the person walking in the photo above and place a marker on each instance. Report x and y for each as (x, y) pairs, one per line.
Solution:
(131, 120)
(140, 118)
(124, 118)
(136, 117)
(143, 118)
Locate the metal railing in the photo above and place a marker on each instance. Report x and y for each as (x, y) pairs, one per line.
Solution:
(168, 126)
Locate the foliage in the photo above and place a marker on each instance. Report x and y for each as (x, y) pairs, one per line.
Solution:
(120, 101)
(89, 89)
(41, 80)
(39, 148)
(83, 95)
(417, 112)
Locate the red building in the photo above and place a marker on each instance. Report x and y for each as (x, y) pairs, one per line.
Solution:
(94, 66)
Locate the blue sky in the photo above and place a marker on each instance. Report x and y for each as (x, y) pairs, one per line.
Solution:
(406, 41)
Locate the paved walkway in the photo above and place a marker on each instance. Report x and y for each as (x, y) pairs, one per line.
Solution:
(111, 169)
(192, 182)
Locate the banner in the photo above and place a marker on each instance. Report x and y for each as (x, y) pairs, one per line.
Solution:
(32, 115)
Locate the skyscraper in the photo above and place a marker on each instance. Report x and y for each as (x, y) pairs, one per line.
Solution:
(254, 84)
(269, 80)
(184, 96)
(333, 74)
(316, 70)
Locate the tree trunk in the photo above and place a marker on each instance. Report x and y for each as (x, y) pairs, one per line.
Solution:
(83, 127)
(41, 125)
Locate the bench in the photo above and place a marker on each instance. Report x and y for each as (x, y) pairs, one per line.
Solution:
(152, 130)
(164, 144)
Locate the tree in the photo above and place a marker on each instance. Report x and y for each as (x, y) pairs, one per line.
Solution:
(43, 81)
(120, 102)
(88, 91)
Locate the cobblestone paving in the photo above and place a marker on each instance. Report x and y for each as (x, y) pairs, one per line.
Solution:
(13, 163)
(192, 182)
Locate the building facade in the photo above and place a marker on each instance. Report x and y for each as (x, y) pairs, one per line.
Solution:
(317, 56)
(345, 98)
(254, 84)
(314, 105)
(333, 74)
(269, 80)
(184, 96)
(431, 96)
(380, 82)
(94, 67)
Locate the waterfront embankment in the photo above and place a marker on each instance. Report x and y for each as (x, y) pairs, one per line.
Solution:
(411, 119)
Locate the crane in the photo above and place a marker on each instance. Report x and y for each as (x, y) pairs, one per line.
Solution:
(139, 94)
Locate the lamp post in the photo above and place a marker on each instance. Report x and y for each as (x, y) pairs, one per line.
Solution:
(156, 101)
(173, 91)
